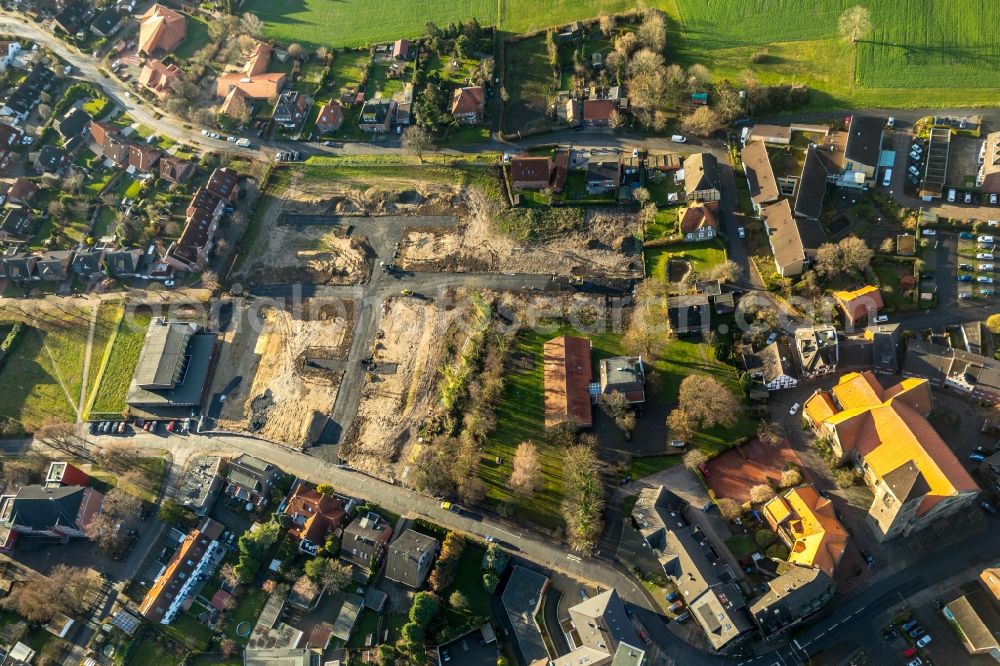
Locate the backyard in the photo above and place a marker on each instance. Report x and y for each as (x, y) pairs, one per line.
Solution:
(118, 365)
(701, 256)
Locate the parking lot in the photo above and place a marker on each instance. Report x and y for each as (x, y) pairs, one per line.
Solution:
(977, 266)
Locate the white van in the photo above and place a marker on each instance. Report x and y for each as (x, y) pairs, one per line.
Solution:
(678, 138)
(951, 196)
(887, 178)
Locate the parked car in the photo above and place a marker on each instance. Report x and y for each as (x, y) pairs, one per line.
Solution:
(917, 631)
(924, 641)
(771, 338)
(231, 139)
(794, 410)
(916, 662)
(986, 239)
(987, 507)
(964, 295)
(984, 279)
(965, 235)
(965, 267)
(678, 443)
(967, 198)
(928, 232)
(976, 457)
(986, 267)
(984, 255)
(678, 138)
(951, 196)
(993, 198)
(906, 626)
(986, 292)
(742, 232)
(703, 468)
(446, 506)
(644, 635)
(910, 652)
(881, 319)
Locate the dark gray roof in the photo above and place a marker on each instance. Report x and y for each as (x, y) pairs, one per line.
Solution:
(884, 353)
(812, 186)
(173, 368)
(906, 482)
(796, 592)
(812, 234)
(722, 613)
(162, 359)
(600, 171)
(107, 21)
(701, 172)
(40, 508)
(864, 144)
(923, 359)
(776, 360)
(72, 123)
(50, 158)
(87, 262)
(123, 262)
(407, 559)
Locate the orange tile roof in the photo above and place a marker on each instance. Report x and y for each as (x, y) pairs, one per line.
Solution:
(888, 428)
(567, 373)
(819, 407)
(262, 86)
(990, 579)
(856, 303)
(161, 28)
(259, 60)
(819, 540)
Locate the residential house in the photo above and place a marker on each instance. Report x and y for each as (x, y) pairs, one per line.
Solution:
(191, 252)
(8, 50)
(200, 484)
(27, 94)
(699, 221)
(194, 561)
(72, 123)
(760, 175)
(598, 112)
(820, 168)
(805, 521)
(54, 513)
(560, 170)
(15, 226)
(603, 634)
(22, 191)
(72, 16)
(468, 104)
(703, 580)
(107, 23)
(176, 170)
(51, 160)
(53, 266)
(292, 109)
(62, 473)
(365, 540)
(100, 131)
(159, 77)
(859, 304)
(401, 49)
(885, 347)
(817, 350)
(314, 515)
(567, 374)
(116, 149)
(281, 657)
(10, 139)
(87, 263)
(530, 173)
(161, 30)
(777, 369)
(689, 313)
(988, 178)
(18, 266)
(251, 479)
(142, 157)
(331, 117)
(602, 177)
(701, 177)
(124, 263)
(863, 152)
(794, 241)
(962, 372)
(976, 618)
(914, 475)
(626, 375)
(376, 115)
(240, 90)
(796, 594)
(410, 558)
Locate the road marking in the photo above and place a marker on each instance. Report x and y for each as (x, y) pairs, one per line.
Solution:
(575, 558)
(497, 529)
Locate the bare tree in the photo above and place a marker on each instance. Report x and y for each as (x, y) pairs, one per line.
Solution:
(251, 25)
(761, 493)
(770, 433)
(64, 590)
(527, 475)
(679, 424)
(726, 271)
(703, 121)
(116, 454)
(854, 23)
(729, 508)
(849, 255)
(790, 478)
(707, 402)
(296, 51)
(699, 76)
(652, 32)
(617, 406)
(694, 459)
(607, 23)
(418, 140)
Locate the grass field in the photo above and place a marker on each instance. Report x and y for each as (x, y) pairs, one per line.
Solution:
(197, 37)
(118, 365)
(701, 255)
(918, 54)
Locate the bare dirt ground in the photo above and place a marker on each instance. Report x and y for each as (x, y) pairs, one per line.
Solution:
(315, 254)
(393, 404)
(290, 370)
(605, 247)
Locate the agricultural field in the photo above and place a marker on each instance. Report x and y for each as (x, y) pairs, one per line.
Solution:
(950, 52)
(118, 365)
(337, 23)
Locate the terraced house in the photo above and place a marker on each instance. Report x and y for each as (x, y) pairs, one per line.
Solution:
(884, 432)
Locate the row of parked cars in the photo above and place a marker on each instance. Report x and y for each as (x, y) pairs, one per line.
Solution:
(178, 426)
(984, 265)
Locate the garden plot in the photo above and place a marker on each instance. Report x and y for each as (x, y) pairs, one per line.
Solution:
(290, 372)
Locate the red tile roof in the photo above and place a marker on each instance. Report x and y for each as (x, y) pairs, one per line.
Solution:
(568, 374)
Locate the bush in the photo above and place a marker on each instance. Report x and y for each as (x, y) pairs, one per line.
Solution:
(761, 493)
(764, 538)
(790, 478)
(778, 551)
(729, 508)
(490, 581)
(844, 477)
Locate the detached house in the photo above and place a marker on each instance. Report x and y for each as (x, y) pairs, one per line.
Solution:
(250, 479)
(331, 117)
(240, 90)
(805, 521)
(530, 173)
(468, 104)
(701, 177)
(410, 558)
(699, 221)
(53, 266)
(159, 77)
(859, 304)
(914, 475)
(176, 170)
(365, 540)
(59, 512)
(376, 115)
(51, 160)
(107, 22)
(291, 109)
(602, 177)
(314, 515)
(598, 112)
(567, 375)
(626, 375)
(794, 241)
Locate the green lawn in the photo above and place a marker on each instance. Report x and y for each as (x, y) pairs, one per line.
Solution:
(641, 467)
(119, 364)
(152, 653)
(247, 610)
(197, 37)
(741, 546)
(918, 54)
(701, 255)
(469, 580)
(187, 630)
